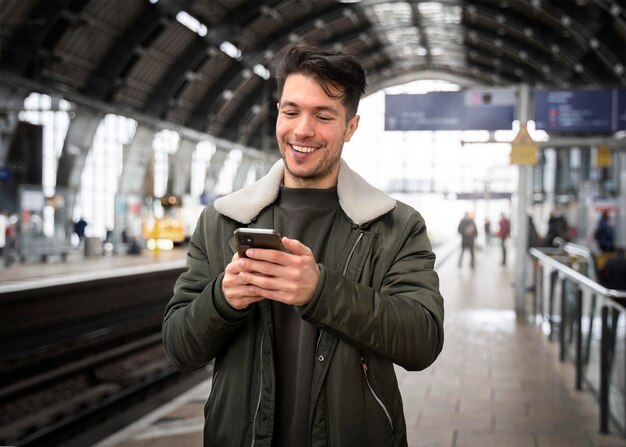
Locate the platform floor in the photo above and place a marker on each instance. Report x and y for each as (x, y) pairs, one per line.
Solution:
(498, 381)
(80, 268)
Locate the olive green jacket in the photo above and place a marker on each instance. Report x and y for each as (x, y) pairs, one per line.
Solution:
(377, 303)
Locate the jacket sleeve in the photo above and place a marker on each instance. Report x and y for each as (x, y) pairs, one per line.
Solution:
(194, 329)
(403, 320)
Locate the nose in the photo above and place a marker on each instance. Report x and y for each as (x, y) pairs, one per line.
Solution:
(304, 127)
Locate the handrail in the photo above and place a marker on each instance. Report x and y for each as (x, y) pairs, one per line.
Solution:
(610, 311)
(584, 252)
(581, 279)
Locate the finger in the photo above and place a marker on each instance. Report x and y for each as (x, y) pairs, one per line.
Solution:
(261, 281)
(233, 266)
(296, 247)
(242, 303)
(263, 267)
(263, 254)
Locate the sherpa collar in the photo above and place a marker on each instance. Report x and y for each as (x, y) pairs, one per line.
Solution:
(359, 200)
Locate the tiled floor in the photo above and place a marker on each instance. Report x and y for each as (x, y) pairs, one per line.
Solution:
(77, 265)
(498, 381)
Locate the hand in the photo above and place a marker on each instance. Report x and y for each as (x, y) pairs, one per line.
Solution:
(237, 293)
(289, 278)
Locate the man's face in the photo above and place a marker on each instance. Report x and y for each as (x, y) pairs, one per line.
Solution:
(311, 129)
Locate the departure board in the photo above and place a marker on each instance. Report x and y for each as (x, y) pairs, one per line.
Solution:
(621, 110)
(463, 110)
(580, 111)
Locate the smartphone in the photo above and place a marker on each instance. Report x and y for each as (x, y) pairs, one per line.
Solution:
(256, 238)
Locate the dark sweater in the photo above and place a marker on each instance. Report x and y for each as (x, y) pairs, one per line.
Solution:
(306, 215)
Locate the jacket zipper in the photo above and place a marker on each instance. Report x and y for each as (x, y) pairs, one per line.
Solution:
(363, 365)
(345, 269)
(380, 402)
(258, 404)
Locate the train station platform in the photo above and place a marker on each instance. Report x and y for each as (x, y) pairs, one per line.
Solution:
(79, 268)
(498, 381)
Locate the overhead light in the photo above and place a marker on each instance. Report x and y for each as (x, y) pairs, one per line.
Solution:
(261, 71)
(231, 50)
(349, 1)
(186, 19)
(615, 10)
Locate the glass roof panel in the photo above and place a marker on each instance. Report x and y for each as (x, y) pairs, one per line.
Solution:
(396, 13)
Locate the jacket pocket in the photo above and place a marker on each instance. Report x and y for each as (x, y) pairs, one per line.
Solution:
(375, 395)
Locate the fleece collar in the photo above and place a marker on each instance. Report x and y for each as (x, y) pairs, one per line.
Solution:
(359, 200)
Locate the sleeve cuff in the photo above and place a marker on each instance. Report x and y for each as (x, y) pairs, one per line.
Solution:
(226, 311)
(308, 309)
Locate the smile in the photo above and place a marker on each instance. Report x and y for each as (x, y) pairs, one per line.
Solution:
(303, 149)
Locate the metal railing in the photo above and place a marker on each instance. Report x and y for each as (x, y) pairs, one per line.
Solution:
(572, 271)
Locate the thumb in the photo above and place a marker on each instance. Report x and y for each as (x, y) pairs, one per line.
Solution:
(296, 247)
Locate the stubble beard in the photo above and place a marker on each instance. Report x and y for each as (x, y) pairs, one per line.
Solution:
(323, 169)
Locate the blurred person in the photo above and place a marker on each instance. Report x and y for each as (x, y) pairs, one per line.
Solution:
(305, 339)
(468, 231)
(504, 231)
(613, 275)
(79, 228)
(9, 252)
(603, 233)
(557, 228)
(134, 248)
(4, 223)
(487, 231)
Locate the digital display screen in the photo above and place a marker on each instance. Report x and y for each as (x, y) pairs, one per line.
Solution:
(463, 110)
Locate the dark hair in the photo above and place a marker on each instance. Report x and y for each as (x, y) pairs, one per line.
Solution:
(332, 69)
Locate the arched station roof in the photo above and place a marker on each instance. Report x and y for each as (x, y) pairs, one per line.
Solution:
(145, 58)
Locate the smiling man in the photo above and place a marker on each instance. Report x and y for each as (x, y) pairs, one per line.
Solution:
(305, 339)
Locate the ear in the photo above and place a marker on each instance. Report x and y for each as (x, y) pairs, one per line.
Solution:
(352, 126)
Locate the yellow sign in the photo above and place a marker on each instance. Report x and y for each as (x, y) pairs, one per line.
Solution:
(603, 157)
(523, 148)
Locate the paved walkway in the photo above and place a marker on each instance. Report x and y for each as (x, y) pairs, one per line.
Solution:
(498, 381)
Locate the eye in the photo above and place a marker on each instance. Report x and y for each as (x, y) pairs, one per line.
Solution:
(289, 112)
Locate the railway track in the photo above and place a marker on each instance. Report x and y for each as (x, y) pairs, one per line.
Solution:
(66, 374)
(46, 408)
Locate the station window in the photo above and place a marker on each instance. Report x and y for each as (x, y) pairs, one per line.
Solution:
(165, 144)
(103, 167)
(427, 161)
(227, 175)
(201, 157)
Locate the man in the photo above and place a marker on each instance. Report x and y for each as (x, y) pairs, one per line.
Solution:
(304, 340)
(504, 231)
(468, 231)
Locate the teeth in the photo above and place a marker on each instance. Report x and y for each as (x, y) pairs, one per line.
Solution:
(303, 149)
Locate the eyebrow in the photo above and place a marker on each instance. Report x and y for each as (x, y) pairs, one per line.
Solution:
(318, 108)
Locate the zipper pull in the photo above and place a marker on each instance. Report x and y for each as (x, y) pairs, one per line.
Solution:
(363, 365)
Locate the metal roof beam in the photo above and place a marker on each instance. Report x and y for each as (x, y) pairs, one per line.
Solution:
(33, 40)
(104, 80)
